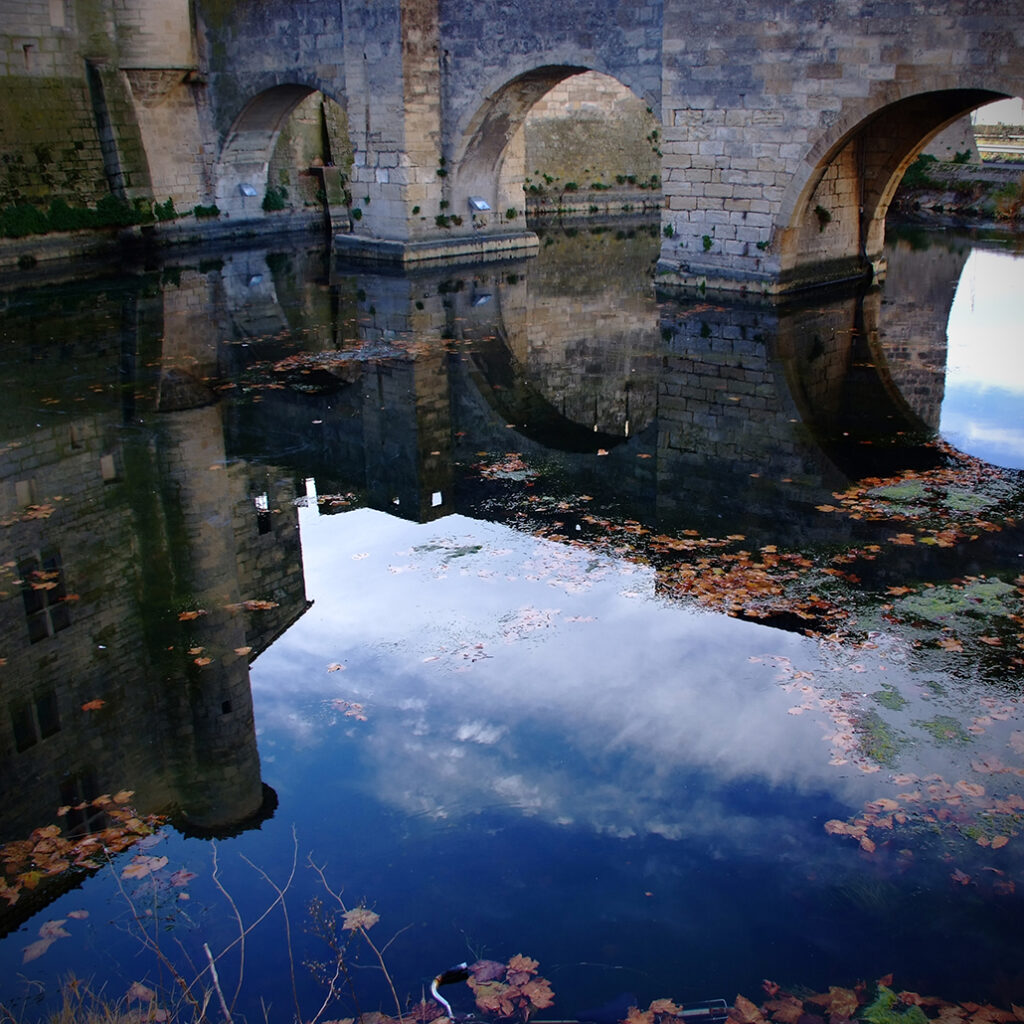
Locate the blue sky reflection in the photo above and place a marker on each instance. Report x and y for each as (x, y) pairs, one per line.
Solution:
(982, 412)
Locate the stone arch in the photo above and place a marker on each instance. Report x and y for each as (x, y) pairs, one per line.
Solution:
(242, 170)
(489, 160)
(832, 219)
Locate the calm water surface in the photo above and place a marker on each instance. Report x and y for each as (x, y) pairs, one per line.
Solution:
(658, 641)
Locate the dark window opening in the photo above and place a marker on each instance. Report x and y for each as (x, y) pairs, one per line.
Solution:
(43, 593)
(225, 707)
(263, 520)
(34, 720)
(77, 790)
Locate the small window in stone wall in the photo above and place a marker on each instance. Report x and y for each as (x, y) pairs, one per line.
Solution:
(43, 593)
(34, 719)
(263, 520)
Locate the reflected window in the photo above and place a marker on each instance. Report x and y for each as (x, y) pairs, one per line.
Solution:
(34, 720)
(77, 789)
(43, 593)
(262, 503)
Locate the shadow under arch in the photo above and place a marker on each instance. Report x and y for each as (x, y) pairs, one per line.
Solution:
(241, 173)
(487, 163)
(832, 221)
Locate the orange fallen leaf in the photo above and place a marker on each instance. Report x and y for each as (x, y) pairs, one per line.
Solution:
(93, 705)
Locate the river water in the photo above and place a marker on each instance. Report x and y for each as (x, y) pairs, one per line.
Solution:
(676, 645)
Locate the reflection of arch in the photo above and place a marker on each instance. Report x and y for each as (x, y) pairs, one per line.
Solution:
(517, 401)
(833, 215)
(485, 164)
(247, 151)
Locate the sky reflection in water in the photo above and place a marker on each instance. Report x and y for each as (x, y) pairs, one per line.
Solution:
(981, 411)
(507, 743)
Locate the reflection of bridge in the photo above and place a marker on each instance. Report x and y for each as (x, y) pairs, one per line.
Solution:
(740, 412)
(783, 138)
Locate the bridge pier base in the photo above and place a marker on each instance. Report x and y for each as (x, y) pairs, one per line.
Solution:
(694, 278)
(460, 248)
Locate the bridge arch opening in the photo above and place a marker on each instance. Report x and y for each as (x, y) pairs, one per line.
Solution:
(276, 142)
(834, 226)
(562, 135)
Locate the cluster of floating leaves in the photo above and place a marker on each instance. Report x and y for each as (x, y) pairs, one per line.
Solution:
(809, 591)
(49, 851)
(876, 1004)
(512, 991)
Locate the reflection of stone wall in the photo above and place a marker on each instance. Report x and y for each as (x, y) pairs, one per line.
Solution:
(591, 331)
(133, 528)
(917, 297)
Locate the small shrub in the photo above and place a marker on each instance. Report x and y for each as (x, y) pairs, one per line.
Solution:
(706, 242)
(668, 231)
(917, 176)
(200, 211)
(67, 218)
(571, 186)
(443, 220)
(166, 211)
(511, 213)
(1010, 201)
(21, 220)
(823, 215)
(274, 198)
(119, 212)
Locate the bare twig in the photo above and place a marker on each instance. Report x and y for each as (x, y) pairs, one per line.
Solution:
(149, 943)
(366, 937)
(216, 984)
(284, 909)
(241, 927)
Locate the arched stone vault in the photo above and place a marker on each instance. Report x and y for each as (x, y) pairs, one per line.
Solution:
(241, 174)
(834, 225)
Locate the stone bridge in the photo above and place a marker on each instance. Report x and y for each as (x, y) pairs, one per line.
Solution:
(785, 127)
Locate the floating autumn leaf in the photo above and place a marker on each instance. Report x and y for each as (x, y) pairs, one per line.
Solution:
(335, 667)
(36, 949)
(54, 930)
(93, 705)
(142, 865)
(487, 970)
(203, 662)
(960, 877)
(190, 615)
(243, 650)
(253, 605)
(182, 877)
(666, 1006)
(140, 992)
(359, 918)
(743, 1011)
